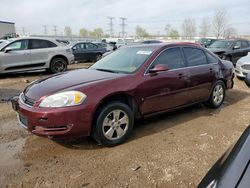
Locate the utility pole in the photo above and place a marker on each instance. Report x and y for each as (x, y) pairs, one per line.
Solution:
(45, 29)
(55, 30)
(123, 27)
(111, 26)
(23, 30)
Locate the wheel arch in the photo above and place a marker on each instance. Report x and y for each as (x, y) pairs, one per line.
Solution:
(59, 56)
(122, 97)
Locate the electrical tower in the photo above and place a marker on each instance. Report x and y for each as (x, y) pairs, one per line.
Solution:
(23, 30)
(111, 26)
(45, 29)
(123, 27)
(55, 30)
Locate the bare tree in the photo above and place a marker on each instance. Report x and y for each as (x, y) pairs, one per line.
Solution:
(67, 31)
(141, 32)
(189, 28)
(83, 32)
(219, 22)
(167, 29)
(230, 32)
(205, 27)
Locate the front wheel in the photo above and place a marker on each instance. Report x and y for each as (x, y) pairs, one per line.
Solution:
(58, 65)
(98, 57)
(218, 95)
(114, 124)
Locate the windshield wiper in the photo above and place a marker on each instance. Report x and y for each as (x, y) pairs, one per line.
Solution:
(107, 70)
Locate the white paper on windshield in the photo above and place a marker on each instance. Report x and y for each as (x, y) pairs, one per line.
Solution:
(141, 52)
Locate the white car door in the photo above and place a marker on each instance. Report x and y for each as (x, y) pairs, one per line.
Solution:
(41, 51)
(16, 57)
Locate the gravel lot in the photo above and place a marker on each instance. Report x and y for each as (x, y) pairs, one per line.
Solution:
(171, 150)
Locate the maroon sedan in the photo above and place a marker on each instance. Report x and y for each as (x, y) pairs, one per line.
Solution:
(133, 82)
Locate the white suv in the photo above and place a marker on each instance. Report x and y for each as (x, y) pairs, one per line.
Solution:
(25, 54)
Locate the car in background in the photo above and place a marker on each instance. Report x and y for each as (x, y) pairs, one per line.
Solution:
(205, 42)
(247, 79)
(133, 82)
(151, 42)
(233, 168)
(87, 51)
(2, 41)
(107, 46)
(242, 67)
(230, 50)
(27, 54)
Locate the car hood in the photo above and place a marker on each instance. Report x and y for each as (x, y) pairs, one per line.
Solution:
(218, 50)
(244, 60)
(66, 80)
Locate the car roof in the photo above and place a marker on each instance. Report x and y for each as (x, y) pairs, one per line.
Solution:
(39, 38)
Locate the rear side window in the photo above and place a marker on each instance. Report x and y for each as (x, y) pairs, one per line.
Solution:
(172, 58)
(38, 44)
(90, 46)
(194, 56)
(244, 44)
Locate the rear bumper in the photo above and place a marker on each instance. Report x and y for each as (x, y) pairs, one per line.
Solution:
(71, 59)
(61, 122)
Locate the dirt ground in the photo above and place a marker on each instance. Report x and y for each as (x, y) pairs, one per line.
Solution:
(171, 150)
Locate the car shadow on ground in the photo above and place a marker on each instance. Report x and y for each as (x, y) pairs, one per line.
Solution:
(25, 74)
(7, 94)
(159, 123)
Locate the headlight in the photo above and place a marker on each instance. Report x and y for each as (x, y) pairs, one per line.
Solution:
(246, 67)
(68, 98)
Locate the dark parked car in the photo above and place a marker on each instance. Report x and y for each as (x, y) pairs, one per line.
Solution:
(233, 168)
(151, 42)
(132, 82)
(231, 50)
(206, 42)
(87, 51)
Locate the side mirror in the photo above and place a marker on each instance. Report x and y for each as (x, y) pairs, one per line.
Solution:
(236, 47)
(247, 80)
(6, 50)
(158, 68)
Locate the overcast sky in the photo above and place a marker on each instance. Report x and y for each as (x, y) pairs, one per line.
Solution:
(153, 15)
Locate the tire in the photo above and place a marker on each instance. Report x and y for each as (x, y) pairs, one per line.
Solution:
(218, 95)
(98, 57)
(58, 65)
(108, 130)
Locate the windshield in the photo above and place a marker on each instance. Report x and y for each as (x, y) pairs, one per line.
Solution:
(222, 44)
(124, 60)
(4, 43)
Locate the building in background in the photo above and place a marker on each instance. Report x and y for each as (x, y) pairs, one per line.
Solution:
(7, 29)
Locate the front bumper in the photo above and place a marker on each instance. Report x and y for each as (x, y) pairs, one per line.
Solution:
(240, 72)
(61, 122)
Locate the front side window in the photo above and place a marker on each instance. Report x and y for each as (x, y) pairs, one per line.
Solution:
(211, 59)
(194, 56)
(172, 58)
(244, 44)
(18, 45)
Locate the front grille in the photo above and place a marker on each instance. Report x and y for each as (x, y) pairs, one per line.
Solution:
(26, 100)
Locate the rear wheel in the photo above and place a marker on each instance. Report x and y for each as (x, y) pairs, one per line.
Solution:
(218, 95)
(114, 124)
(58, 65)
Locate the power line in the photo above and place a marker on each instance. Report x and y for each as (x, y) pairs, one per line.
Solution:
(123, 26)
(111, 26)
(45, 29)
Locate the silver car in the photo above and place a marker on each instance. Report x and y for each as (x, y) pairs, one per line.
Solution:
(243, 66)
(25, 54)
